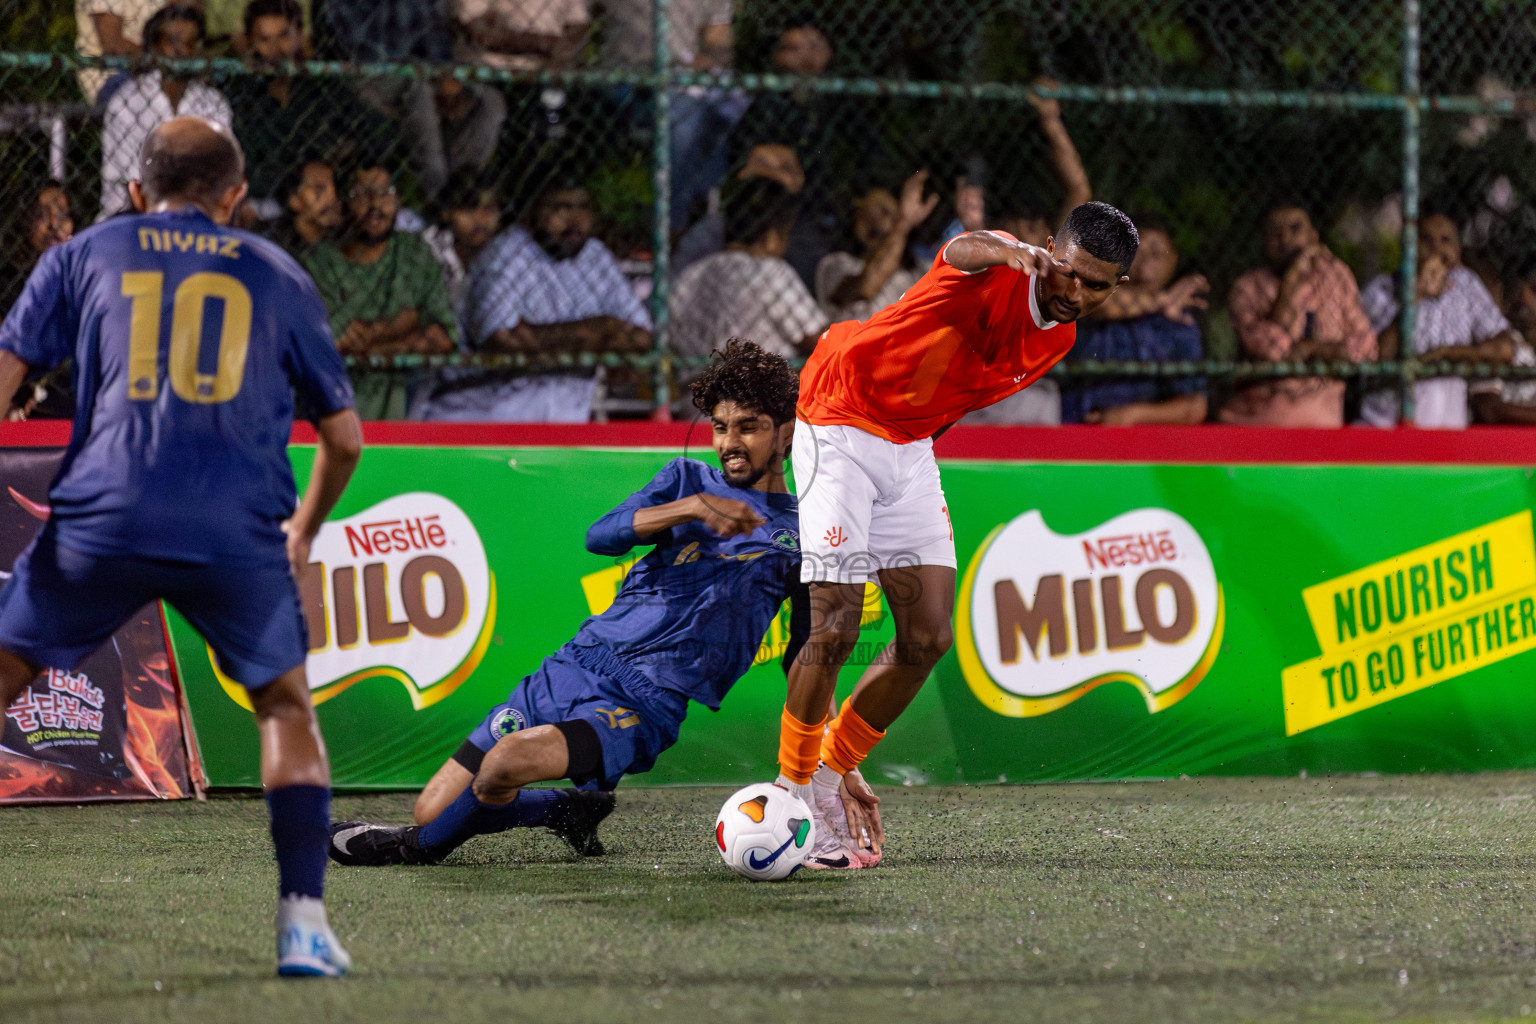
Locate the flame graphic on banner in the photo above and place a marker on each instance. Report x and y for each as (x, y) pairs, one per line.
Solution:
(154, 750)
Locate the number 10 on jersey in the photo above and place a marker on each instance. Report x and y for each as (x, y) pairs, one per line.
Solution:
(147, 290)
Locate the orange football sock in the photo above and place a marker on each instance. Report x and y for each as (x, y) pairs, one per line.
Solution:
(799, 747)
(849, 740)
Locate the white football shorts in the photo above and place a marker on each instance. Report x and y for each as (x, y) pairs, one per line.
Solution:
(867, 504)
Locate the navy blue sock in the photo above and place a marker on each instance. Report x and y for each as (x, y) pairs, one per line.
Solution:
(467, 817)
(301, 835)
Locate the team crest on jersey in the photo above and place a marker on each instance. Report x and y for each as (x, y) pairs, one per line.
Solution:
(786, 540)
(1043, 618)
(507, 722)
(398, 591)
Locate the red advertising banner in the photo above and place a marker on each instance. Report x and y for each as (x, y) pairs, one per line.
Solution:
(113, 729)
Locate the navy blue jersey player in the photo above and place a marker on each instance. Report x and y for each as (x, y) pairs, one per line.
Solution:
(189, 340)
(685, 626)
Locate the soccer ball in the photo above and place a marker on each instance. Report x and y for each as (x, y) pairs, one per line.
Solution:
(764, 832)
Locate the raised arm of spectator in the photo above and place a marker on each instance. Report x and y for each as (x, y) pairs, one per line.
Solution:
(1249, 307)
(109, 29)
(913, 209)
(1064, 154)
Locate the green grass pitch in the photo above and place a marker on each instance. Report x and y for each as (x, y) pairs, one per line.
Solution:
(1404, 899)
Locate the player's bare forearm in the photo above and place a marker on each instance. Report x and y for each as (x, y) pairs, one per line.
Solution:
(982, 250)
(726, 517)
(651, 521)
(340, 448)
(12, 373)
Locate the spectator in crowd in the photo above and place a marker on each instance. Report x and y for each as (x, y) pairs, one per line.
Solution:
(311, 208)
(1302, 305)
(277, 113)
(545, 288)
(1027, 221)
(41, 220)
(152, 98)
(747, 290)
(468, 216)
(1458, 322)
(109, 28)
(699, 38)
(227, 21)
(771, 161)
(1150, 319)
(445, 124)
(1513, 401)
(851, 287)
(828, 137)
(383, 290)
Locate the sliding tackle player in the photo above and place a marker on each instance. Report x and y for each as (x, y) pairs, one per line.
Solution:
(686, 624)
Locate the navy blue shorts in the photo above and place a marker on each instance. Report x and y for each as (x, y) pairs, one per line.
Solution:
(561, 689)
(60, 604)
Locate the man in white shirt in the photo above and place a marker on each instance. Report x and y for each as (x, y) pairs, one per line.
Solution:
(109, 28)
(153, 98)
(747, 290)
(1458, 321)
(545, 289)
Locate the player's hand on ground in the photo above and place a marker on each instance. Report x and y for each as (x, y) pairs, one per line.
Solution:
(914, 208)
(726, 517)
(863, 810)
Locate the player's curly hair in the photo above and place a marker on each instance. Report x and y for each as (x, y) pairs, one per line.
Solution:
(742, 372)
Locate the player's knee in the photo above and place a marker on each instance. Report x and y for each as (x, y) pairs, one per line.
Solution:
(836, 632)
(429, 805)
(925, 645)
(512, 763)
(286, 698)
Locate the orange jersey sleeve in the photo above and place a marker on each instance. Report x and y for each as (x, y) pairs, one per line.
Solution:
(953, 343)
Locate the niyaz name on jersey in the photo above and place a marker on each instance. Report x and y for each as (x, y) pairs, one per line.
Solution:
(165, 240)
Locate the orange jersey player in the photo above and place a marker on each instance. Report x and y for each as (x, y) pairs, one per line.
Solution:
(990, 317)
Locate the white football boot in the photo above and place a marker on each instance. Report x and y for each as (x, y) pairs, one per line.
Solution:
(834, 847)
(827, 851)
(306, 946)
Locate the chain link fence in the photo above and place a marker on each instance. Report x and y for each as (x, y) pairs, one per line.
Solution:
(573, 216)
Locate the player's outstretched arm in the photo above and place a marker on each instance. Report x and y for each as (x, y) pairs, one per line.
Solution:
(982, 250)
(341, 445)
(12, 373)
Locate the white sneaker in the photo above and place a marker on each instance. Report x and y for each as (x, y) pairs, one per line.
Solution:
(306, 946)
